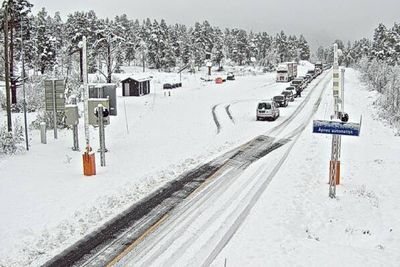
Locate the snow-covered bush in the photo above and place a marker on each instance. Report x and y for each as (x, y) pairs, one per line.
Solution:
(2, 100)
(47, 117)
(385, 79)
(34, 92)
(10, 142)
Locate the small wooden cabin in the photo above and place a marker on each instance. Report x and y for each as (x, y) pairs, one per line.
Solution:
(132, 86)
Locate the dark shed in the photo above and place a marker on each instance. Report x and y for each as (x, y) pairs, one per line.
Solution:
(132, 86)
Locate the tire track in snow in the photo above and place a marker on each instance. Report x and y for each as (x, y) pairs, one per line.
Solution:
(228, 111)
(214, 114)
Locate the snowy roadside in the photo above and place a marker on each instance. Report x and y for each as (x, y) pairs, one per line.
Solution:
(296, 223)
(47, 204)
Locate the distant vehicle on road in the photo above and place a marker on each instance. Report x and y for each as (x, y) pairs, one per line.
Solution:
(312, 73)
(267, 109)
(286, 72)
(167, 86)
(318, 67)
(281, 100)
(293, 89)
(298, 83)
(288, 94)
(230, 76)
(309, 78)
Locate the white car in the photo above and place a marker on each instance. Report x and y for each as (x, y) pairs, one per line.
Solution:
(267, 109)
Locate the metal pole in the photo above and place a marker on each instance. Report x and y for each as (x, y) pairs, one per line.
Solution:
(54, 110)
(43, 138)
(335, 138)
(75, 130)
(100, 110)
(85, 93)
(23, 89)
(7, 71)
(342, 87)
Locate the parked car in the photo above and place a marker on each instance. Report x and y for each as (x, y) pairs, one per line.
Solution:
(267, 109)
(304, 79)
(309, 77)
(288, 94)
(294, 90)
(230, 76)
(298, 83)
(167, 86)
(312, 73)
(280, 100)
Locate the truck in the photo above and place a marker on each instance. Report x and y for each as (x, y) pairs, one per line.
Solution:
(286, 71)
(318, 67)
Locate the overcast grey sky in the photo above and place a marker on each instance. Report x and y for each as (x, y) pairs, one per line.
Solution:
(320, 21)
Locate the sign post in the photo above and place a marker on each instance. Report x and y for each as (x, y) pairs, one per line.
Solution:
(337, 129)
(89, 160)
(54, 99)
(101, 113)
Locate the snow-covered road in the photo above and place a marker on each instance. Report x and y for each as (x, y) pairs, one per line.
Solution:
(47, 204)
(197, 230)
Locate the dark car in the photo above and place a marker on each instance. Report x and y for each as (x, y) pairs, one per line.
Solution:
(298, 83)
(167, 86)
(288, 95)
(230, 76)
(280, 100)
(312, 73)
(294, 90)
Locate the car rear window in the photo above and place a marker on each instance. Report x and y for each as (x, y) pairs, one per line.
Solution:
(278, 98)
(264, 106)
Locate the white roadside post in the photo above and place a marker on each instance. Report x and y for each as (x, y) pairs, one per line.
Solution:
(89, 159)
(209, 65)
(85, 93)
(337, 126)
(342, 71)
(335, 150)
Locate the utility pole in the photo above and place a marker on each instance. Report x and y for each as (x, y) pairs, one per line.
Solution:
(23, 89)
(7, 70)
(85, 92)
(334, 164)
(13, 83)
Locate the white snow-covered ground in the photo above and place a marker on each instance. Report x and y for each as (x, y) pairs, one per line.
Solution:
(295, 223)
(46, 202)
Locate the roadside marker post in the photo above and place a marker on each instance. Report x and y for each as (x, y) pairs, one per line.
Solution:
(89, 160)
(336, 127)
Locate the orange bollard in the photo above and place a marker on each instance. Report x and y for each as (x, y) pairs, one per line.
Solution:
(337, 174)
(89, 162)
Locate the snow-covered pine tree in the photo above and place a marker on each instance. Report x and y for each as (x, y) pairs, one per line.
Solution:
(198, 46)
(380, 42)
(153, 54)
(217, 54)
(304, 49)
(240, 46)
(45, 43)
(281, 44)
(108, 46)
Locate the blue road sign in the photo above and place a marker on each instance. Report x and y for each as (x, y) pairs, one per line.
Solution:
(336, 127)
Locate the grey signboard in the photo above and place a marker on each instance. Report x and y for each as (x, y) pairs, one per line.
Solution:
(54, 92)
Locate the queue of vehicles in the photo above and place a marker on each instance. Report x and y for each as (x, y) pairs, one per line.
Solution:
(269, 109)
